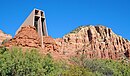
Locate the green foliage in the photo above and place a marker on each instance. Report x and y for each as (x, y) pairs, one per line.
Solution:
(16, 63)
(2, 50)
(77, 71)
(104, 67)
(78, 29)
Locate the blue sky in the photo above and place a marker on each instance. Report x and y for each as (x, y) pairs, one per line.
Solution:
(65, 15)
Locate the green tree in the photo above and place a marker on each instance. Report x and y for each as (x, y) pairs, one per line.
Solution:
(15, 62)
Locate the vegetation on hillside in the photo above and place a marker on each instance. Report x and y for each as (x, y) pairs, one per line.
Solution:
(103, 67)
(78, 29)
(15, 62)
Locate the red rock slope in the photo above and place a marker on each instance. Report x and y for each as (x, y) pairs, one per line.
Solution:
(26, 37)
(4, 36)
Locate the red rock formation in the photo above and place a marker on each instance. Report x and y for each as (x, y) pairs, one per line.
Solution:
(96, 42)
(4, 36)
(26, 37)
(92, 41)
(49, 44)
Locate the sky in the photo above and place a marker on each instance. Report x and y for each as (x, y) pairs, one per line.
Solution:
(63, 16)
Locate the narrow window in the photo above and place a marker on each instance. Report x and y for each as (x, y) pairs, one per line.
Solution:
(36, 12)
(42, 14)
(43, 27)
(36, 22)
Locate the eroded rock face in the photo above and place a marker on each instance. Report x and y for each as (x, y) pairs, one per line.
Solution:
(50, 44)
(4, 36)
(26, 37)
(95, 42)
(92, 41)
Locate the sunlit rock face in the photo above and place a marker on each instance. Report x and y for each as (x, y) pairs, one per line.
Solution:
(95, 42)
(4, 37)
(90, 41)
(26, 37)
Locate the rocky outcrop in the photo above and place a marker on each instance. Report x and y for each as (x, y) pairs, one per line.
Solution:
(90, 41)
(4, 37)
(94, 42)
(26, 37)
(50, 44)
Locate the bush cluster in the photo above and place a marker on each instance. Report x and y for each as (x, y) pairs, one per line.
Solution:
(15, 62)
(103, 67)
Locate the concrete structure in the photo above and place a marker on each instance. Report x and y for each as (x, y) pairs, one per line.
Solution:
(38, 20)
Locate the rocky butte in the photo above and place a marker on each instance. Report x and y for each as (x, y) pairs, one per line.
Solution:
(90, 41)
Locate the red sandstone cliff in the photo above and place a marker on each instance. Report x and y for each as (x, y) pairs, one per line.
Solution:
(95, 42)
(92, 41)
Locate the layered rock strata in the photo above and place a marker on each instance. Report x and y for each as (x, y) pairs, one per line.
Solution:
(94, 42)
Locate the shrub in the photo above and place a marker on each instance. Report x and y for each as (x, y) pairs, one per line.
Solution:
(75, 70)
(2, 50)
(16, 63)
(103, 67)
